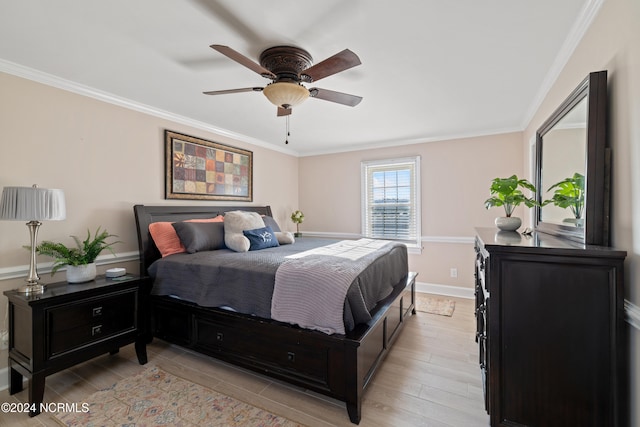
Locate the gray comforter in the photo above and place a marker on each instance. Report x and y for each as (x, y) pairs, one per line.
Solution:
(244, 282)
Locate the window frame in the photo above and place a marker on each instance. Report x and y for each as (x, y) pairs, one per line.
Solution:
(366, 170)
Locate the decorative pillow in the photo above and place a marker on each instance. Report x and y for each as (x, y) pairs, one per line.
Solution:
(261, 238)
(166, 239)
(270, 222)
(235, 222)
(284, 237)
(200, 236)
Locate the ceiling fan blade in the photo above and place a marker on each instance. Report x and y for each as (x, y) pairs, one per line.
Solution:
(243, 60)
(224, 92)
(284, 111)
(333, 96)
(218, 11)
(339, 62)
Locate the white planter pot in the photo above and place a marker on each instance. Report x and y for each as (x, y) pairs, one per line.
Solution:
(508, 223)
(81, 273)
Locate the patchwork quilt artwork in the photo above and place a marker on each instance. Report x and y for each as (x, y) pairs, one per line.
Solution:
(205, 170)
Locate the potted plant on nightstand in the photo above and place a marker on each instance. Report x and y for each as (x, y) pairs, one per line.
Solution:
(506, 192)
(80, 261)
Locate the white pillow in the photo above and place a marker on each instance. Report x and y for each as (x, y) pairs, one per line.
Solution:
(235, 222)
(284, 237)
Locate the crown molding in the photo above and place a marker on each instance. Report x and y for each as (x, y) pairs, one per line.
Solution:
(581, 25)
(83, 90)
(80, 89)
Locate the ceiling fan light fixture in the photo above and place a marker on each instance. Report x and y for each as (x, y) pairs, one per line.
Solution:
(287, 94)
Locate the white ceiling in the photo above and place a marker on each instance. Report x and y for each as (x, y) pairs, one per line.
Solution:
(431, 70)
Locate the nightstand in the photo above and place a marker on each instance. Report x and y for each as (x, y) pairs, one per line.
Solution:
(69, 324)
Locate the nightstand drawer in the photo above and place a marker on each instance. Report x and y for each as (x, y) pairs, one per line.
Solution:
(78, 323)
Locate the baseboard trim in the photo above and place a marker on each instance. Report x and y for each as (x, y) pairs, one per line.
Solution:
(445, 290)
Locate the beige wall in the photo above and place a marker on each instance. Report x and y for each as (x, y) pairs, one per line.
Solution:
(455, 175)
(106, 158)
(612, 43)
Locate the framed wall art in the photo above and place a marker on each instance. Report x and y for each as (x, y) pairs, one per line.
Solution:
(198, 169)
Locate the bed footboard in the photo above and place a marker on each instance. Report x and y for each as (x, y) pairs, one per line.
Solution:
(339, 366)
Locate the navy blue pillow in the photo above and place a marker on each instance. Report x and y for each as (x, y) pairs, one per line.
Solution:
(261, 238)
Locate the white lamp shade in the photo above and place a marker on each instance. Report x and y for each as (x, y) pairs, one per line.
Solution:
(32, 204)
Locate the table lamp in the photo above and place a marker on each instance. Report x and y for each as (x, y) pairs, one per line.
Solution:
(32, 204)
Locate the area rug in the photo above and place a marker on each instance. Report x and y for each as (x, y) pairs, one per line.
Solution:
(435, 305)
(157, 398)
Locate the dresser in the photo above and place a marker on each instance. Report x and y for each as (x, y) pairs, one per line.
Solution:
(69, 324)
(550, 330)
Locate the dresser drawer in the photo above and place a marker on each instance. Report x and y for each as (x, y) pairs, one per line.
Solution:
(75, 324)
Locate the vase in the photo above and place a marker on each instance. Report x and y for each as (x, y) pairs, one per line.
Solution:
(81, 273)
(508, 223)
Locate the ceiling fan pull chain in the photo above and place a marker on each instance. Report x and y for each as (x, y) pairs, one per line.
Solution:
(286, 141)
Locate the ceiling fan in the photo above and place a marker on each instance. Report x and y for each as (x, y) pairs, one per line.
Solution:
(288, 67)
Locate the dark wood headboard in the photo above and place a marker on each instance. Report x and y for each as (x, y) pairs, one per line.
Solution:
(146, 215)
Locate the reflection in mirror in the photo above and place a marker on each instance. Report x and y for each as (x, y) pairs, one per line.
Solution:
(563, 168)
(572, 166)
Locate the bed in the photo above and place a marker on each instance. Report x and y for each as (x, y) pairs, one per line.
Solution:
(339, 365)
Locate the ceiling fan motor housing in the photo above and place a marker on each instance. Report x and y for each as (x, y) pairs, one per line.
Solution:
(286, 62)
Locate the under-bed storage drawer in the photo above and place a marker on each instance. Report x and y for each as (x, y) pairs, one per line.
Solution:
(260, 349)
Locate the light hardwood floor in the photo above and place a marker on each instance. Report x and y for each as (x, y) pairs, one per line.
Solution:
(430, 378)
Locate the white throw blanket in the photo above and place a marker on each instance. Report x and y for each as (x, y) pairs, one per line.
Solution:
(311, 287)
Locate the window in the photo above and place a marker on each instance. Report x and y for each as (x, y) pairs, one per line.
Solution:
(391, 200)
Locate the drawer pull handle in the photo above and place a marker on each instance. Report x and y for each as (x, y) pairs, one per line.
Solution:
(96, 330)
(97, 311)
(219, 337)
(291, 357)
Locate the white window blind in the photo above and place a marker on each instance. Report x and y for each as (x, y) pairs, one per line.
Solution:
(391, 200)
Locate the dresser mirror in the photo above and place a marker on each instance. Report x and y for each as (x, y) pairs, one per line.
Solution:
(572, 166)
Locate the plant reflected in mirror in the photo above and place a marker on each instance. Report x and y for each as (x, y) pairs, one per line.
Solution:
(569, 193)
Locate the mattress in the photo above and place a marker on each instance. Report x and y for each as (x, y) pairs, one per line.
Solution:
(244, 281)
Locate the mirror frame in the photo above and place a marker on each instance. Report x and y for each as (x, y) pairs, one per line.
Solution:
(597, 173)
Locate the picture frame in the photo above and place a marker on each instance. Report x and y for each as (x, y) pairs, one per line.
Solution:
(197, 169)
